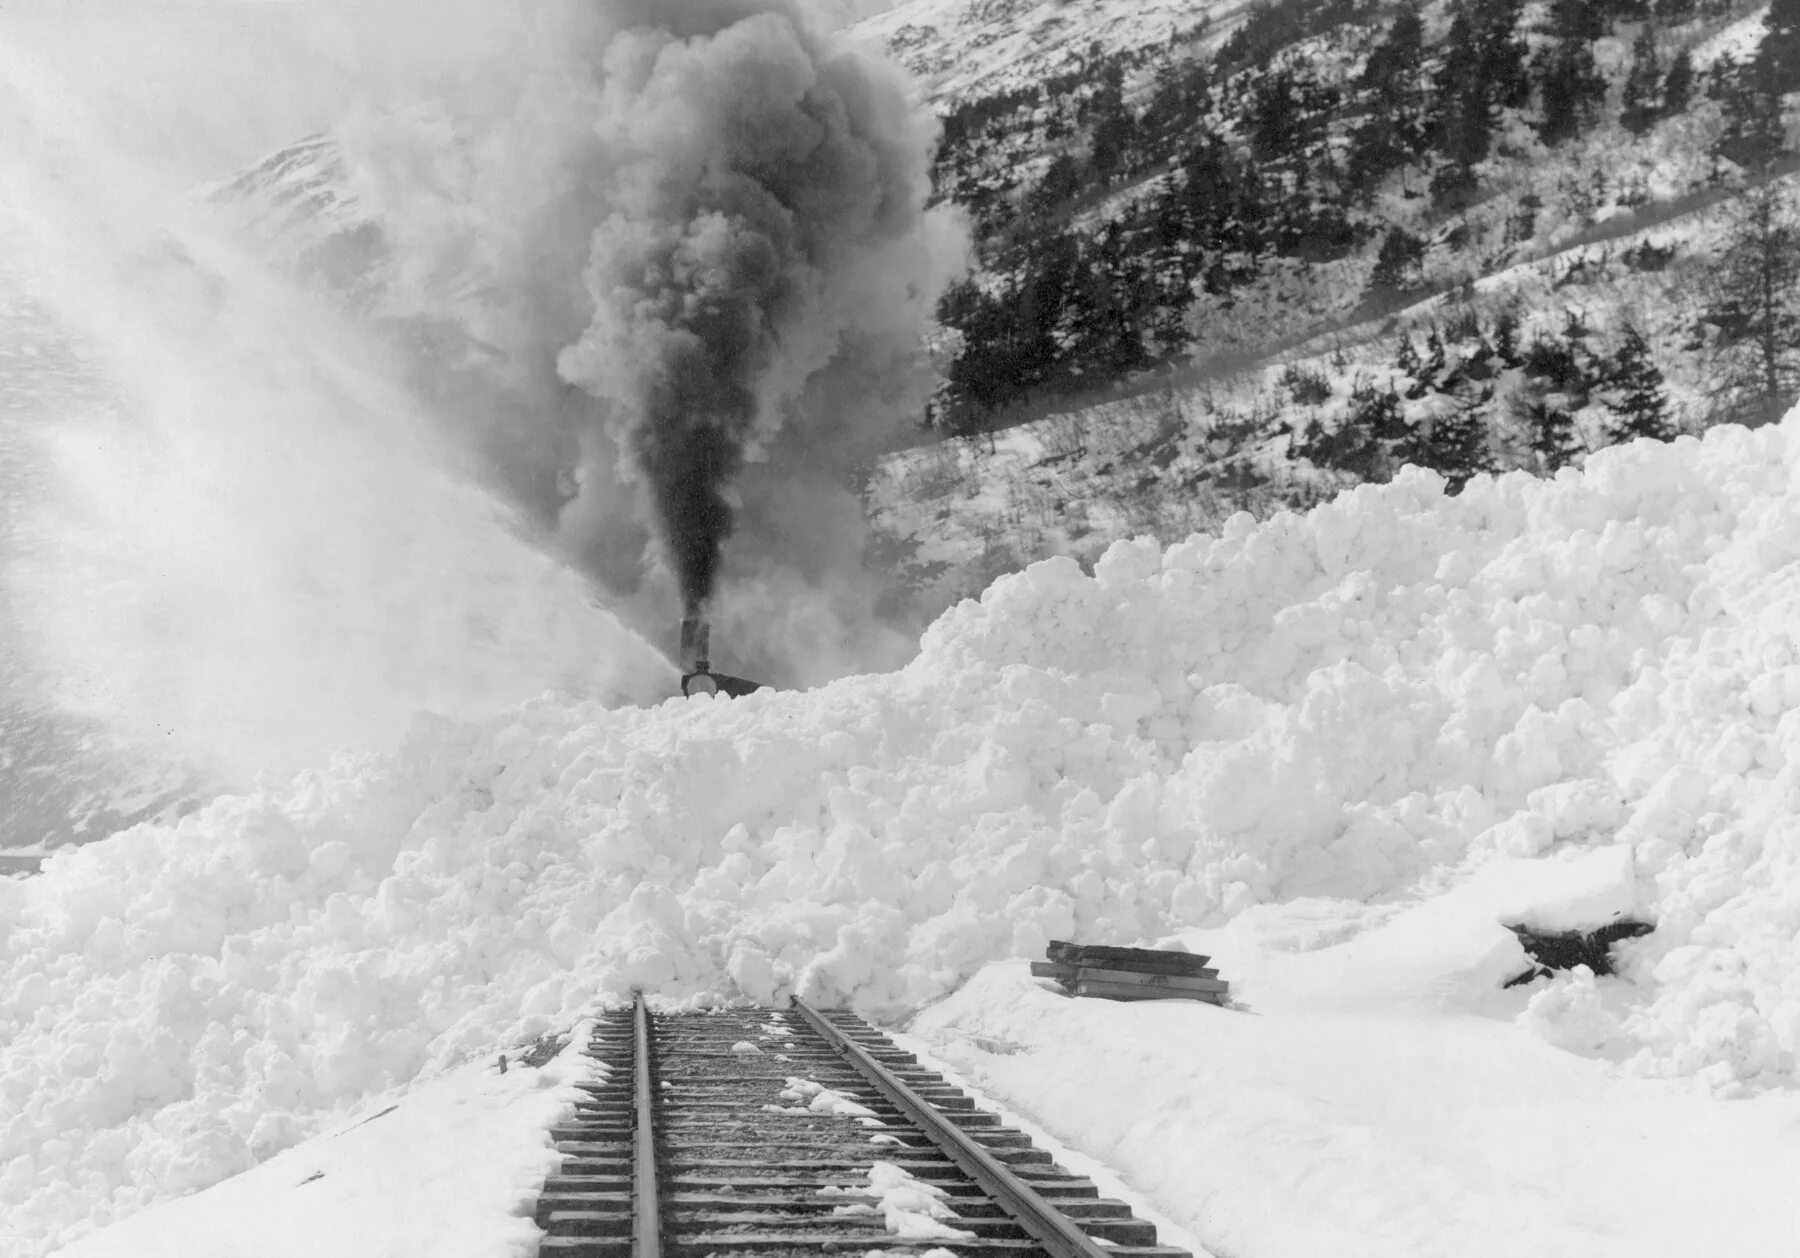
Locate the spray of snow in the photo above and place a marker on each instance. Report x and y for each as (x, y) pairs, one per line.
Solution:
(233, 541)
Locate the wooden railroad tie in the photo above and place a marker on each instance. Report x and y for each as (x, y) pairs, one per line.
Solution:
(1130, 973)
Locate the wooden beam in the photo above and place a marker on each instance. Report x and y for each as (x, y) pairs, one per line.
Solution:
(1150, 960)
(1180, 982)
(1200, 980)
(1133, 991)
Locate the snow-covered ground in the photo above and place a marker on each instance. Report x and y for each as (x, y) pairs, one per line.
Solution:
(452, 1169)
(1339, 752)
(1378, 1096)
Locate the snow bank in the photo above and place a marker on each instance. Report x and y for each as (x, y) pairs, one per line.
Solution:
(1369, 1127)
(1354, 704)
(453, 1169)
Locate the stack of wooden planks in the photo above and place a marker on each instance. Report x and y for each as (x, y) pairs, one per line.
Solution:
(1130, 973)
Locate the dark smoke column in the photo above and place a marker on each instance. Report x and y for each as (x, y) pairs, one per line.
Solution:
(762, 196)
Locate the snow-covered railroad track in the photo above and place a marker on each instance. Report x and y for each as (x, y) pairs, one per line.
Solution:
(803, 1132)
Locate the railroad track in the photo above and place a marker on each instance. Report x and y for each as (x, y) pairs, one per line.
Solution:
(783, 1134)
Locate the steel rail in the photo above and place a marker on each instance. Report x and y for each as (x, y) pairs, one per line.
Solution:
(646, 1212)
(1047, 1225)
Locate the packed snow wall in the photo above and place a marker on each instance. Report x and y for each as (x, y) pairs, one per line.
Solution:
(1359, 702)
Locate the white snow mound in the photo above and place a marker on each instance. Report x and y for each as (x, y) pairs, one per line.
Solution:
(1361, 702)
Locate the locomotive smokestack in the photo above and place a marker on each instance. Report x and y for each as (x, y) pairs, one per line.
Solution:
(695, 645)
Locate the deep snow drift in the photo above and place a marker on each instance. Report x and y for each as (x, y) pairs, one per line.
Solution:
(1361, 704)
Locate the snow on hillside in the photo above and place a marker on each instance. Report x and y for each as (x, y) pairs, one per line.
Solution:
(314, 204)
(955, 514)
(1736, 42)
(957, 47)
(1367, 704)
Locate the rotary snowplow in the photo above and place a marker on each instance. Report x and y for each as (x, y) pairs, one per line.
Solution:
(697, 676)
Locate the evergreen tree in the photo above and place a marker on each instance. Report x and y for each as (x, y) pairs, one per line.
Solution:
(1679, 86)
(1462, 128)
(1010, 338)
(1377, 150)
(1779, 48)
(1640, 405)
(1456, 447)
(1559, 375)
(1579, 20)
(1551, 432)
(1110, 305)
(1483, 70)
(1394, 130)
(1274, 115)
(1110, 144)
(987, 371)
(1754, 309)
(1406, 361)
(1557, 366)
(1219, 197)
(1182, 96)
(1641, 103)
(1397, 265)
(1506, 337)
(1575, 333)
(1061, 181)
(1754, 133)
(1505, 80)
(1363, 442)
(1571, 89)
(1391, 75)
(1433, 370)
(1379, 409)
(1287, 112)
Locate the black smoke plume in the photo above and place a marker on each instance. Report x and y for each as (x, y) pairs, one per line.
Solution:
(668, 270)
(757, 173)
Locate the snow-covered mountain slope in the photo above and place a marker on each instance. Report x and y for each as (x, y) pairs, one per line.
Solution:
(959, 48)
(1606, 226)
(308, 211)
(1370, 703)
(1187, 455)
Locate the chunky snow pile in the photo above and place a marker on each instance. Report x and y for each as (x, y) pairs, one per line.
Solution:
(1357, 703)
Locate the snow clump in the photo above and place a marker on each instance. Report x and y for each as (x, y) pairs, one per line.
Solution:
(910, 1208)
